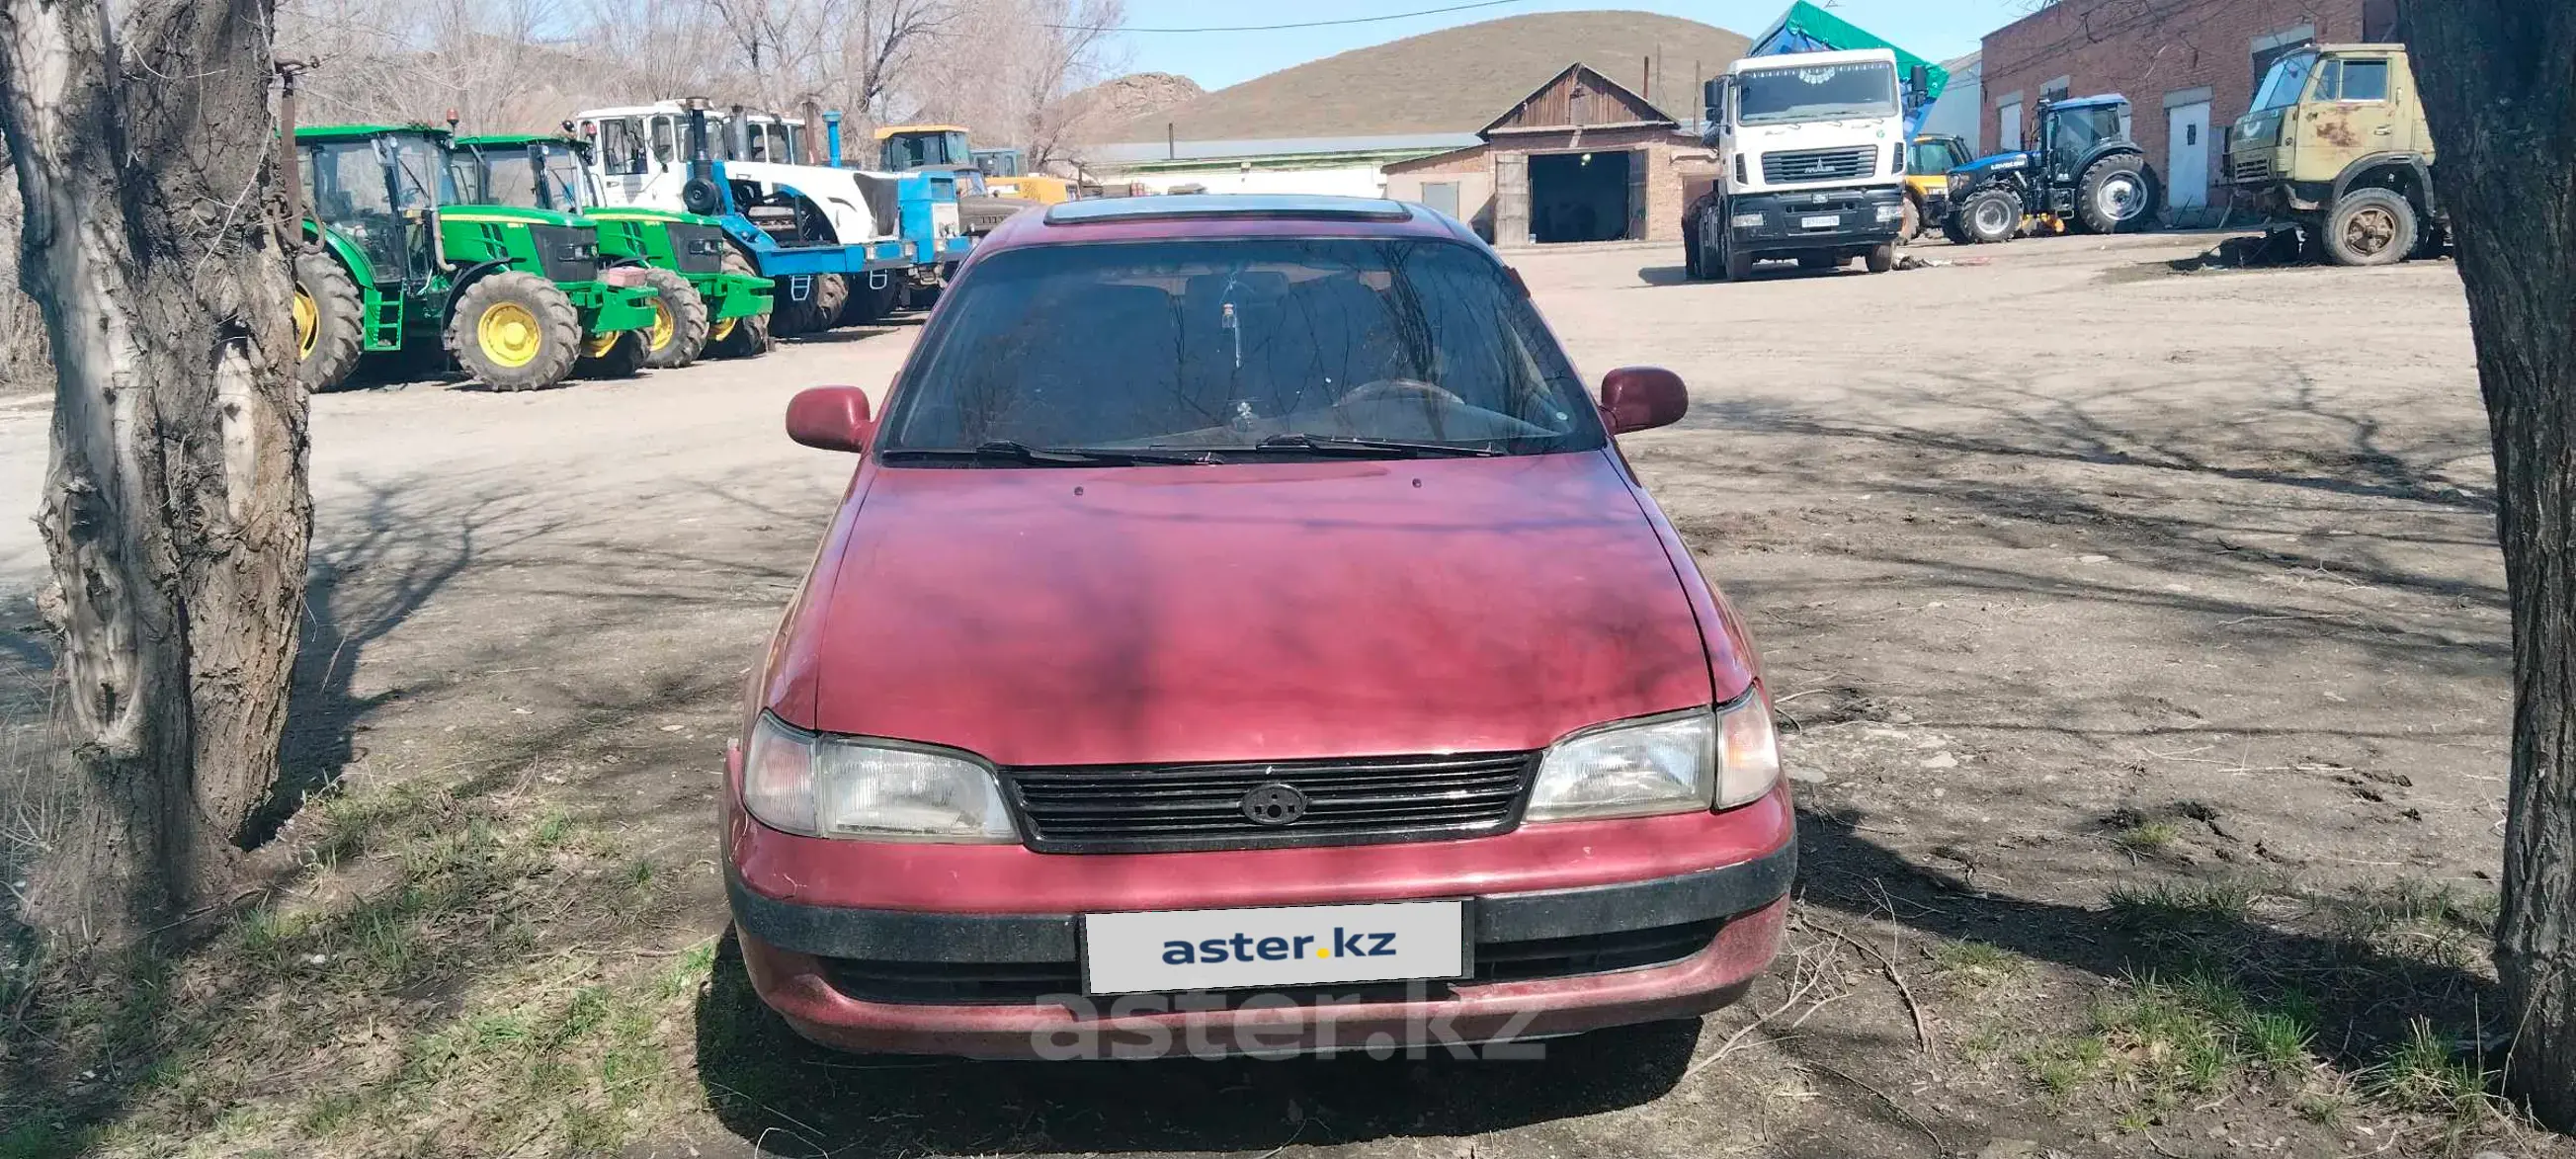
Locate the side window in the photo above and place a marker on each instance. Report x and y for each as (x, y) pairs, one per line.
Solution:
(2329, 82)
(666, 145)
(620, 151)
(2364, 80)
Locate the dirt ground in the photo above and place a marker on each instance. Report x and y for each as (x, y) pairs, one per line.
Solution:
(2139, 631)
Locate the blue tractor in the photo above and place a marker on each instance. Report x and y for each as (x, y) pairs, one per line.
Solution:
(2080, 171)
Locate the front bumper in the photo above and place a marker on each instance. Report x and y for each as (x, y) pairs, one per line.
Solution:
(975, 950)
(733, 295)
(1824, 219)
(607, 309)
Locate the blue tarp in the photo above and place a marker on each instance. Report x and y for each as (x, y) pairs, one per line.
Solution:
(1807, 28)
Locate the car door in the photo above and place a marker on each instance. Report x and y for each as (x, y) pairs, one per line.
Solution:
(2346, 116)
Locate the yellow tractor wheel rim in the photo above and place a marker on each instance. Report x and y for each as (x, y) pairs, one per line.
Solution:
(722, 330)
(509, 334)
(600, 346)
(664, 328)
(308, 324)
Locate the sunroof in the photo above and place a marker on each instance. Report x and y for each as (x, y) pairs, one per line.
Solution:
(1227, 205)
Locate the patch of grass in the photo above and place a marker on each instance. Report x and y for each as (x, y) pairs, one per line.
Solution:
(2424, 1074)
(1975, 957)
(2147, 836)
(551, 830)
(2165, 906)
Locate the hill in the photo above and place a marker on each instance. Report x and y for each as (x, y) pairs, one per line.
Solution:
(1450, 81)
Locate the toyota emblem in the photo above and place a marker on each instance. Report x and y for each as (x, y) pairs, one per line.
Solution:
(1274, 805)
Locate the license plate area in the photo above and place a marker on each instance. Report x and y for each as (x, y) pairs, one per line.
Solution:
(1275, 947)
(1826, 221)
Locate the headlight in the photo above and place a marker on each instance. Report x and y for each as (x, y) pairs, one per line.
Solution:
(1958, 182)
(1675, 763)
(867, 790)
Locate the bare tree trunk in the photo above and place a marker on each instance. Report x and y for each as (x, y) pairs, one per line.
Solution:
(175, 510)
(2499, 81)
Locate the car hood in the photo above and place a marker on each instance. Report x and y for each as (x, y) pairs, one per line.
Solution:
(1247, 611)
(1995, 161)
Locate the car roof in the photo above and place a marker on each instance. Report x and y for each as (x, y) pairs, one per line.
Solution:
(499, 139)
(1220, 215)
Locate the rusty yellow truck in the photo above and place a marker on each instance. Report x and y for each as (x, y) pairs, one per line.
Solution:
(2336, 144)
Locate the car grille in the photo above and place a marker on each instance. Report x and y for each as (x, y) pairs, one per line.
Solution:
(1119, 810)
(697, 249)
(2253, 170)
(556, 246)
(1818, 165)
(1004, 983)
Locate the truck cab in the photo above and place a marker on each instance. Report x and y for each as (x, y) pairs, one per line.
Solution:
(2336, 143)
(1811, 150)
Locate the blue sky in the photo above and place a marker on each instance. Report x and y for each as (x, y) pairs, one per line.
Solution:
(1938, 29)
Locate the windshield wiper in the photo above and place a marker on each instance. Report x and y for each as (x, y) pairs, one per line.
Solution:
(1009, 450)
(1347, 445)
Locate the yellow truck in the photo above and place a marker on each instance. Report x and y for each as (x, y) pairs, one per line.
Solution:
(2336, 143)
(1928, 163)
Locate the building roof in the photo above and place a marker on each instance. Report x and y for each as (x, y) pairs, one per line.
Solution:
(1440, 86)
(1537, 111)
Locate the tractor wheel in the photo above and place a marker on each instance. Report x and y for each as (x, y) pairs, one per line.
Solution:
(679, 329)
(1913, 227)
(738, 337)
(514, 331)
(868, 307)
(1880, 258)
(328, 319)
(615, 355)
(1954, 226)
(2370, 227)
(2116, 195)
(1991, 216)
(831, 296)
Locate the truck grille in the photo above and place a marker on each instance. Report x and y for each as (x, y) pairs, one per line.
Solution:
(566, 253)
(1093, 809)
(697, 249)
(2253, 170)
(1819, 165)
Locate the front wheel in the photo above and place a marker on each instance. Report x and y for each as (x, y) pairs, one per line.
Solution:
(1913, 226)
(514, 331)
(679, 329)
(616, 355)
(2116, 195)
(743, 337)
(2370, 227)
(1992, 216)
(1882, 258)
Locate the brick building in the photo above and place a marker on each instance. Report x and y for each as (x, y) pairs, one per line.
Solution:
(2188, 67)
(1581, 158)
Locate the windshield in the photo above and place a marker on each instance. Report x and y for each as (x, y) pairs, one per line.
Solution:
(914, 150)
(2282, 85)
(1932, 157)
(567, 181)
(509, 177)
(1808, 94)
(422, 179)
(1219, 346)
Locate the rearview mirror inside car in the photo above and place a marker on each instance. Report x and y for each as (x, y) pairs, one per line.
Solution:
(834, 418)
(1637, 398)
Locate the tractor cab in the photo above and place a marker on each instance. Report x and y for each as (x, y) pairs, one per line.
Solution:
(375, 186)
(529, 171)
(905, 148)
(2072, 133)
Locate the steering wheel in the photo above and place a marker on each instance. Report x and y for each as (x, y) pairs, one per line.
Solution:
(1393, 387)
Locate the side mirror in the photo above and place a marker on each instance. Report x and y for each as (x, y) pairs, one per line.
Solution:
(834, 418)
(1638, 398)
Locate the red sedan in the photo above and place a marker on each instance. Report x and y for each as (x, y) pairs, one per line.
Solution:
(1242, 635)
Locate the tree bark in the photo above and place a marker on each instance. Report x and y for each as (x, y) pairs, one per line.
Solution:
(175, 511)
(2499, 83)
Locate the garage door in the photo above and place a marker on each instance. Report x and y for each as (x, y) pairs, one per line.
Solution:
(2187, 151)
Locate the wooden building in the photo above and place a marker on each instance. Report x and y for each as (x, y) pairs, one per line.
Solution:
(1581, 158)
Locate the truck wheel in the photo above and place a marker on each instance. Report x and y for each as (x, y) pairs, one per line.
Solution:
(614, 355)
(1691, 267)
(514, 331)
(1913, 226)
(1992, 216)
(679, 329)
(328, 319)
(2117, 194)
(2370, 227)
(1882, 258)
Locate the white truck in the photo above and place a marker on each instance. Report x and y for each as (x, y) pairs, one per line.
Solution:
(1811, 151)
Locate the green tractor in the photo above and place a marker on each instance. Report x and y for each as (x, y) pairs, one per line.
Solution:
(393, 262)
(711, 301)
